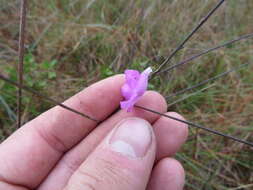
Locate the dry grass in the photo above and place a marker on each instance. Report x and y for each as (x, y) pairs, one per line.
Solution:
(89, 40)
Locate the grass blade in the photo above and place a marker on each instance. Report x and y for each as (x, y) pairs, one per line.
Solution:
(206, 81)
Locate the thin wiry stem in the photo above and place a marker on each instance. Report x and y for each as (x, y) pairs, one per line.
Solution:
(147, 109)
(202, 21)
(206, 81)
(21, 58)
(46, 98)
(198, 126)
(244, 37)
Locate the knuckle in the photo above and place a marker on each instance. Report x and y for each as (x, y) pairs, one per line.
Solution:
(52, 140)
(88, 180)
(114, 173)
(100, 174)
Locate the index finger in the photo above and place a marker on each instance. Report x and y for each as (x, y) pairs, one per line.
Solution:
(29, 154)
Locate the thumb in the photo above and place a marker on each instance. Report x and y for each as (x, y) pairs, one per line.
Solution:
(123, 160)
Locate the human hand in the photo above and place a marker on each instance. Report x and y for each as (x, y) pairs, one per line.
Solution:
(62, 150)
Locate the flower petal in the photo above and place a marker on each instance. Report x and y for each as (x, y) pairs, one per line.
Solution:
(129, 104)
(143, 81)
(135, 86)
(132, 77)
(126, 91)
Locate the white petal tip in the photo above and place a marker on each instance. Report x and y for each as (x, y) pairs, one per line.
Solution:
(148, 70)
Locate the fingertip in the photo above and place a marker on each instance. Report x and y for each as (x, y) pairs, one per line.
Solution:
(183, 132)
(158, 100)
(171, 134)
(171, 164)
(167, 174)
(178, 116)
(151, 100)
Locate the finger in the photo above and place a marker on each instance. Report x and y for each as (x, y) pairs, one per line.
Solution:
(30, 153)
(170, 135)
(123, 160)
(60, 175)
(168, 174)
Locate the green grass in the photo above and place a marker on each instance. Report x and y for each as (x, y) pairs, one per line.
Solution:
(71, 44)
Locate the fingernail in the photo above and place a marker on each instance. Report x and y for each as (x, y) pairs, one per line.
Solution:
(132, 137)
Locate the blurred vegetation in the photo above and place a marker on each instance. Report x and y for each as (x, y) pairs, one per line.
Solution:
(71, 44)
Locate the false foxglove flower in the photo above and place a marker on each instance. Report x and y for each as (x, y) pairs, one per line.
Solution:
(136, 84)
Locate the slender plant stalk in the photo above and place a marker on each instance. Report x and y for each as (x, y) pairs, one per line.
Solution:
(206, 81)
(45, 97)
(21, 58)
(188, 37)
(244, 37)
(198, 126)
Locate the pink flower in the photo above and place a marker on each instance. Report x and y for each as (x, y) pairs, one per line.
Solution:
(135, 86)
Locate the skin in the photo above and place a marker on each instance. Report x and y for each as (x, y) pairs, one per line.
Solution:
(62, 150)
